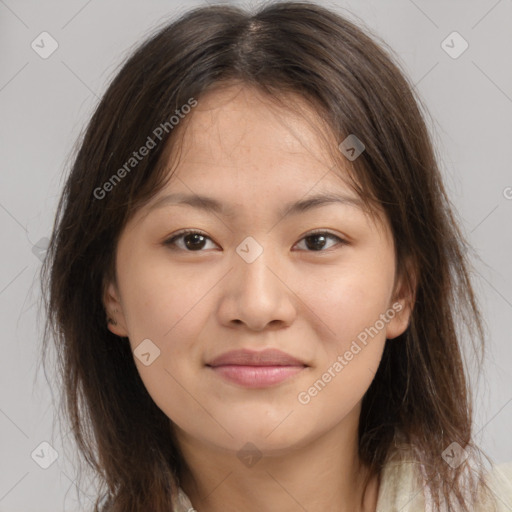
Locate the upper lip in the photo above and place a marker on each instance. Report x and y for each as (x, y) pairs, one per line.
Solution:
(267, 357)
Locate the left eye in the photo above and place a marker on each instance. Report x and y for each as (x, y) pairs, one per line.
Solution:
(319, 240)
(194, 241)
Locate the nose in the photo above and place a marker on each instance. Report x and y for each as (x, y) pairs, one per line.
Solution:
(257, 295)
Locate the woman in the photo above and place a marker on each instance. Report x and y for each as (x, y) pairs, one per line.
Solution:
(255, 278)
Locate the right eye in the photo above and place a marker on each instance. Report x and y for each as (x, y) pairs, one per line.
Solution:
(192, 240)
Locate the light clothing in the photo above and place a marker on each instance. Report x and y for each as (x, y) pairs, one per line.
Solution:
(399, 490)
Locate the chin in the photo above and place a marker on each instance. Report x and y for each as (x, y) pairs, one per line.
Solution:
(270, 437)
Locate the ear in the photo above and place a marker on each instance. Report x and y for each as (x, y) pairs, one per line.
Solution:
(402, 302)
(116, 322)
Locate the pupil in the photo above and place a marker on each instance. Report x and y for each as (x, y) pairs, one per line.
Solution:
(315, 246)
(196, 241)
(196, 238)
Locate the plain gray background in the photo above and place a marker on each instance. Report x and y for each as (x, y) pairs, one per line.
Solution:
(46, 102)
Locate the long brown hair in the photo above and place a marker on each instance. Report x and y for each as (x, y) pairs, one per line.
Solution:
(420, 394)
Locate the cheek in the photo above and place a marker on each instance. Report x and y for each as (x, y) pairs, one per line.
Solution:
(339, 387)
(171, 313)
(349, 303)
(159, 298)
(352, 348)
(346, 301)
(166, 308)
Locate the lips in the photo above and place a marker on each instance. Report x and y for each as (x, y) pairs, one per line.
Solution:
(268, 357)
(252, 369)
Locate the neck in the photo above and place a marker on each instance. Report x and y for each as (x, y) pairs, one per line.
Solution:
(324, 474)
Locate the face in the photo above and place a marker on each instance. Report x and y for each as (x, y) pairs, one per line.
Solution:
(316, 282)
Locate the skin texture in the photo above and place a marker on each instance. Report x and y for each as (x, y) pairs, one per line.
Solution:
(246, 152)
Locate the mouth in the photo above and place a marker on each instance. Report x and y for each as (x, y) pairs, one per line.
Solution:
(252, 369)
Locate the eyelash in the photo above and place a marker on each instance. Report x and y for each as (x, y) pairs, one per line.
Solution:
(171, 241)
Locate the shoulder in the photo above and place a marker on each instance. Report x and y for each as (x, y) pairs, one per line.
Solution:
(499, 482)
(400, 487)
(181, 502)
(403, 487)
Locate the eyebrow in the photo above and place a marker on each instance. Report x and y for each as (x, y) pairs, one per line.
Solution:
(209, 204)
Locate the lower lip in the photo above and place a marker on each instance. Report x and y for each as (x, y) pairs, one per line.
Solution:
(256, 376)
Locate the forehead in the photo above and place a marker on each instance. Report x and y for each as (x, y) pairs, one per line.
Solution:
(243, 148)
(240, 127)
